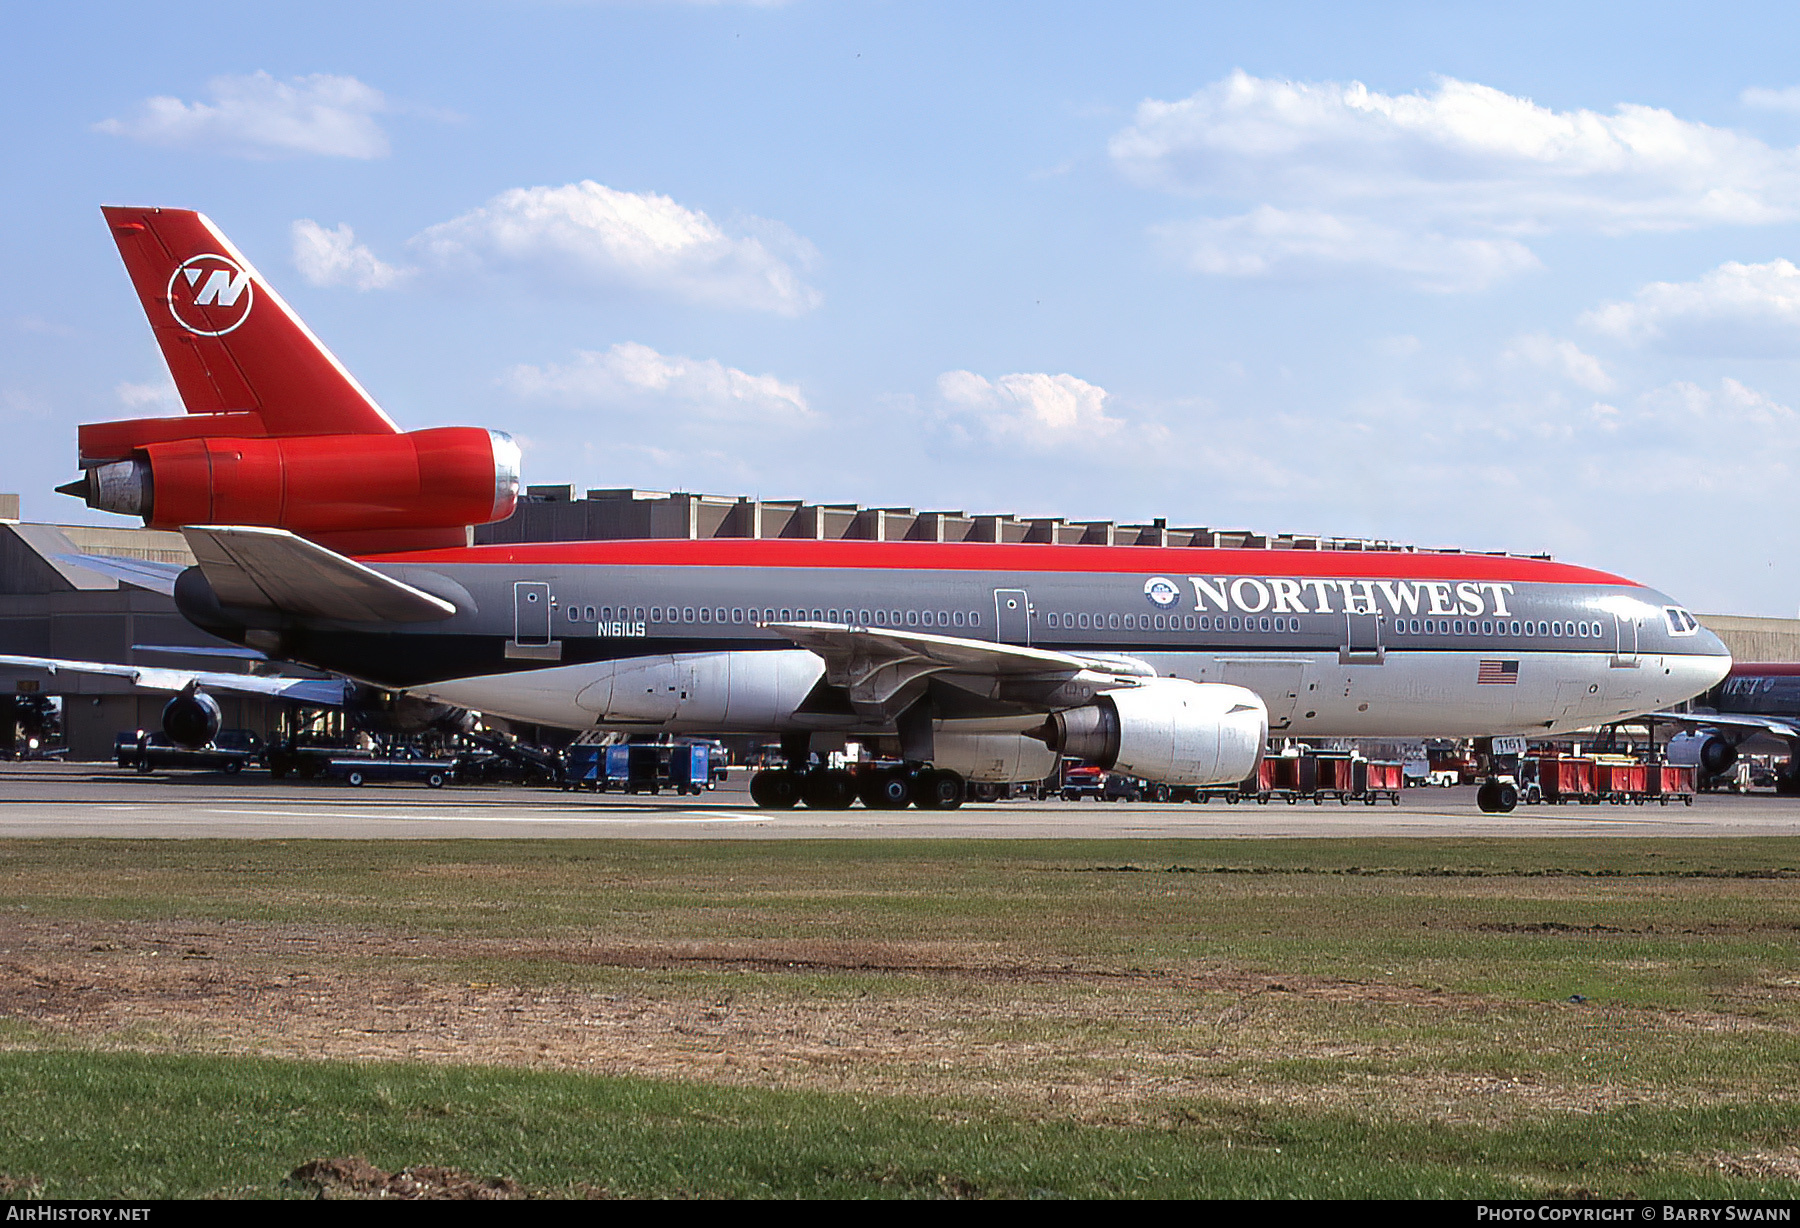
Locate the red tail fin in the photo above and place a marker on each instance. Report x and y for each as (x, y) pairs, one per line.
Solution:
(232, 345)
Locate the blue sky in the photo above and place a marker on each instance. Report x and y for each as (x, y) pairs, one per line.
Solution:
(1490, 276)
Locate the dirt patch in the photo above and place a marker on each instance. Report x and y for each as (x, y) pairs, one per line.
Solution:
(355, 1177)
(1758, 1165)
(1090, 1042)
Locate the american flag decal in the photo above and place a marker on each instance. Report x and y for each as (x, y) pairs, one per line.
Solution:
(1500, 673)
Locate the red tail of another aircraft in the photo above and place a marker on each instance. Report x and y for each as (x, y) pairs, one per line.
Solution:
(277, 433)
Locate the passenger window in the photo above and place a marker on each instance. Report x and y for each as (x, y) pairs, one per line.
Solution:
(974, 618)
(787, 616)
(912, 618)
(737, 614)
(705, 615)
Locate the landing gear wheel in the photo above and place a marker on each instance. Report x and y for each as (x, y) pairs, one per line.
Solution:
(775, 789)
(829, 789)
(938, 789)
(889, 790)
(1496, 797)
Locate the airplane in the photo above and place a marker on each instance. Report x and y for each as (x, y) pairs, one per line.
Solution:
(328, 537)
(1755, 699)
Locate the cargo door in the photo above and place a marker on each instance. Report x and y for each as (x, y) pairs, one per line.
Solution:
(1012, 616)
(638, 691)
(1362, 640)
(1277, 681)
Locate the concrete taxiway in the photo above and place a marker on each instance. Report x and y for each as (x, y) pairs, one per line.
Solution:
(46, 800)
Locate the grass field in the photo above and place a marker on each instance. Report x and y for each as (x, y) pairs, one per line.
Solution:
(918, 1018)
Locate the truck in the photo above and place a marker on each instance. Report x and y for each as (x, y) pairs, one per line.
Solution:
(231, 751)
(403, 764)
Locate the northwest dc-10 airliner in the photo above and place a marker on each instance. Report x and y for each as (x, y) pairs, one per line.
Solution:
(327, 536)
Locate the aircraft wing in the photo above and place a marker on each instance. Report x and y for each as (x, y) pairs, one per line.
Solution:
(318, 692)
(1737, 722)
(272, 569)
(876, 664)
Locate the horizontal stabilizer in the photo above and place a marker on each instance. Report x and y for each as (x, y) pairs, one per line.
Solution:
(271, 569)
(157, 577)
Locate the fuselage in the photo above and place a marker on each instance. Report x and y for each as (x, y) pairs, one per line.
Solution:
(676, 636)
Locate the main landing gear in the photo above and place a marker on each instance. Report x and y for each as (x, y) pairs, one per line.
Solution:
(880, 788)
(1497, 797)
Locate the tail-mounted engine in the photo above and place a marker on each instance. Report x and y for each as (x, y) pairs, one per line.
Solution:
(1168, 730)
(345, 491)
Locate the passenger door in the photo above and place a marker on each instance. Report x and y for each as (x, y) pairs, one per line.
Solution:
(1012, 616)
(531, 623)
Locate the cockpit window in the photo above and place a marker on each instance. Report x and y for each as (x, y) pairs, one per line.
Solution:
(1680, 621)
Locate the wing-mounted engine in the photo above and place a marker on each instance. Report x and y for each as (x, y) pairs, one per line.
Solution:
(1168, 730)
(191, 720)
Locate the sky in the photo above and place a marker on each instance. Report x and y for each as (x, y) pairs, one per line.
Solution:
(1514, 277)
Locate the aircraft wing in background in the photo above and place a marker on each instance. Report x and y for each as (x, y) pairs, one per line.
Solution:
(316, 692)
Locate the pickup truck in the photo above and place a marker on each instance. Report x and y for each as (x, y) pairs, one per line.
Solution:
(404, 765)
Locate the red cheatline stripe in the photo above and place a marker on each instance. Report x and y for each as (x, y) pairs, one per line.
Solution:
(1017, 557)
(1753, 669)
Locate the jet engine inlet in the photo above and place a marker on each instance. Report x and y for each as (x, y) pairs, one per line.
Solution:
(1168, 730)
(191, 719)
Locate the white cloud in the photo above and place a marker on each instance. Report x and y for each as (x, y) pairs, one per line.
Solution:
(1772, 100)
(586, 235)
(1736, 309)
(1690, 407)
(334, 258)
(1031, 410)
(631, 376)
(1268, 240)
(1563, 358)
(1441, 185)
(158, 396)
(256, 116)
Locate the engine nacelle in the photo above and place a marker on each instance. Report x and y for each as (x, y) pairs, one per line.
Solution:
(191, 719)
(312, 484)
(1712, 754)
(993, 758)
(1168, 730)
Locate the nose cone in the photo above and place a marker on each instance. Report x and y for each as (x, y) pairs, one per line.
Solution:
(1697, 664)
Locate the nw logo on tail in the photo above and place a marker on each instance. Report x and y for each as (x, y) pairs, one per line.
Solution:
(210, 295)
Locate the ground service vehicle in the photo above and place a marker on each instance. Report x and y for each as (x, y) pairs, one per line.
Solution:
(327, 536)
